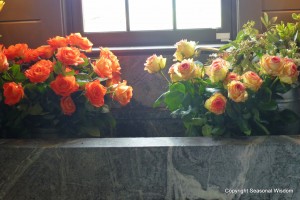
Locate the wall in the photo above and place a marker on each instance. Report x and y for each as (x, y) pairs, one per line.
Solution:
(252, 10)
(31, 21)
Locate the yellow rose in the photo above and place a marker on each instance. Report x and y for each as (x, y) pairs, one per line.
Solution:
(184, 49)
(218, 69)
(272, 65)
(252, 81)
(155, 63)
(237, 91)
(1, 5)
(216, 104)
(290, 73)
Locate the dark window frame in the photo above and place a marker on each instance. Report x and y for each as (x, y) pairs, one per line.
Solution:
(152, 38)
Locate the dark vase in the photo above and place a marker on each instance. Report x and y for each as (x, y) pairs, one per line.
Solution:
(291, 101)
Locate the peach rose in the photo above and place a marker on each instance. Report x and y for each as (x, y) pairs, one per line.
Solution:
(64, 85)
(216, 104)
(218, 69)
(16, 51)
(13, 93)
(103, 67)
(122, 93)
(173, 76)
(237, 91)
(252, 81)
(40, 71)
(115, 65)
(155, 63)
(272, 65)
(184, 49)
(290, 72)
(57, 42)
(45, 51)
(95, 93)
(75, 39)
(67, 105)
(231, 76)
(186, 70)
(3, 62)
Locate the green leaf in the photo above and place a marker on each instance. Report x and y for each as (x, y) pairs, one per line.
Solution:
(35, 109)
(91, 130)
(173, 100)
(244, 126)
(178, 86)
(268, 106)
(59, 68)
(159, 100)
(206, 130)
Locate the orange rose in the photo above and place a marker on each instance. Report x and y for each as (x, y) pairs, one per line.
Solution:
(116, 78)
(57, 42)
(231, 76)
(69, 56)
(218, 69)
(64, 85)
(216, 104)
(155, 63)
(45, 51)
(237, 91)
(16, 51)
(252, 81)
(13, 93)
(40, 71)
(106, 53)
(290, 72)
(67, 105)
(31, 55)
(184, 49)
(122, 93)
(75, 39)
(95, 93)
(103, 67)
(272, 65)
(3, 62)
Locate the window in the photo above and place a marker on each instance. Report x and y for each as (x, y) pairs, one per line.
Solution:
(151, 23)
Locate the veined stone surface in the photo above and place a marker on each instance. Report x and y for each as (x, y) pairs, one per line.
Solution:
(151, 168)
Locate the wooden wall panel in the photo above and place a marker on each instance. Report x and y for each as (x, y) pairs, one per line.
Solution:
(272, 5)
(31, 21)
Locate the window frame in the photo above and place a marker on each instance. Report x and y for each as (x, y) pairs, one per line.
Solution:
(152, 38)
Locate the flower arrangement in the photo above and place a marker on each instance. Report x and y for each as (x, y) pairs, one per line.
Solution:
(237, 91)
(56, 86)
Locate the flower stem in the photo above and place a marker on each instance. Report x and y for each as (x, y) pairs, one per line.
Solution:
(165, 77)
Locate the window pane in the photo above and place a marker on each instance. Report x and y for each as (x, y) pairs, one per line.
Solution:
(150, 15)
(103, 15)
(198, 14)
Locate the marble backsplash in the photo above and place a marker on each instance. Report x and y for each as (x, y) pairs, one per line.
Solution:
(256, 168)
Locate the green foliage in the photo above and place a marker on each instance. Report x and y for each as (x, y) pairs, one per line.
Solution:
(260, 114)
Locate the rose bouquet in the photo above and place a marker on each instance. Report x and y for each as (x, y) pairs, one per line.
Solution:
(236, 92)
(57, 87)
